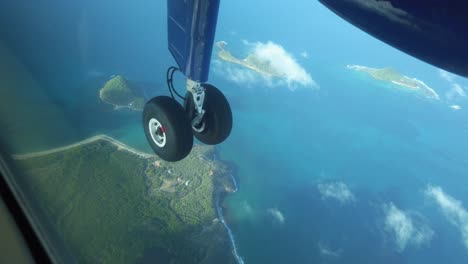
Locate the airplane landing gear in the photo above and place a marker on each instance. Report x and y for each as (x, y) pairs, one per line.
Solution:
(169, 127)
(214, 125)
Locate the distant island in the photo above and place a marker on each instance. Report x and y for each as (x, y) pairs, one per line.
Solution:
(392, 76)
(118, 92)
(111, 203)
(251, 61)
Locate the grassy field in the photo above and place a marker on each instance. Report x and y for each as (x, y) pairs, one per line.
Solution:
(112, 206)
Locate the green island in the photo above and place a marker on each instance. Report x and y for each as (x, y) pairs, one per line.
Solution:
(251, 61)
(113, 204)
(118, 92)
(390, 75)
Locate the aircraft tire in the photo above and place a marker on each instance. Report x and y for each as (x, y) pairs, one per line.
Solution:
(167, 128)
(217, 121)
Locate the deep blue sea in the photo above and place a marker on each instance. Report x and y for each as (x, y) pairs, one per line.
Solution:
(390, 148)
(351, 170)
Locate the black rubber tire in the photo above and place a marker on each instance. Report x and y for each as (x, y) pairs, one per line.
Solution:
(217, 118)
(171, 115)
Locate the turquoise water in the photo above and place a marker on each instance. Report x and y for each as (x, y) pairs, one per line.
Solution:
(386, 145)
(374, 147)
(383, 151)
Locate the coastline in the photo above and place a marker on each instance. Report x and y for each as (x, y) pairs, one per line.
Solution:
(406, 85)
(92, 139)
(117, 107)
(219, 198)
(235, 253)
(224, 184)
(241, 62)
(413, 85)
(244, 64)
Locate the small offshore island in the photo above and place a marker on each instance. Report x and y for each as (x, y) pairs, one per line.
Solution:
(114, 204)
(251, 61)
(119, 93)
(394, 77)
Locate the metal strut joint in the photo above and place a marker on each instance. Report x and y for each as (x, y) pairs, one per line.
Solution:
(198, 96)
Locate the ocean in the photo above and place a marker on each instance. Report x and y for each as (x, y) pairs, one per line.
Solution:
(347, 170)
(387, 146)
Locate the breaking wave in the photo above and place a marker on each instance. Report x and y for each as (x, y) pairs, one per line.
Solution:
(219, 212)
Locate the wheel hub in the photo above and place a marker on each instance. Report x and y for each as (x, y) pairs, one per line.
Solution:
(200, 127)
(157, 132)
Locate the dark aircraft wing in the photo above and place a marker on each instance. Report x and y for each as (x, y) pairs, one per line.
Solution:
(191, 31)
(435, 31)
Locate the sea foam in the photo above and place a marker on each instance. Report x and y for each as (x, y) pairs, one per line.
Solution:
(235, 252)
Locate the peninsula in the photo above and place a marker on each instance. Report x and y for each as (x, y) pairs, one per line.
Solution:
(110, 203)
(118, 92)
(251, 61)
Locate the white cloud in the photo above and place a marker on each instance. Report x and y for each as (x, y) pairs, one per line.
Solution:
(277, 215)
(304, 54)
(336, 190)
(236, 74)
(282, 62)
(452, 209)
(326, 251)
(404, 229)
(455, 107)
(245, 212)
(247, 208)
(446, 75)
(456, 90)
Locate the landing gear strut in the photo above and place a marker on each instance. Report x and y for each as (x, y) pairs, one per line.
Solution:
(169, 127)
(213, 124)
(206, 114)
